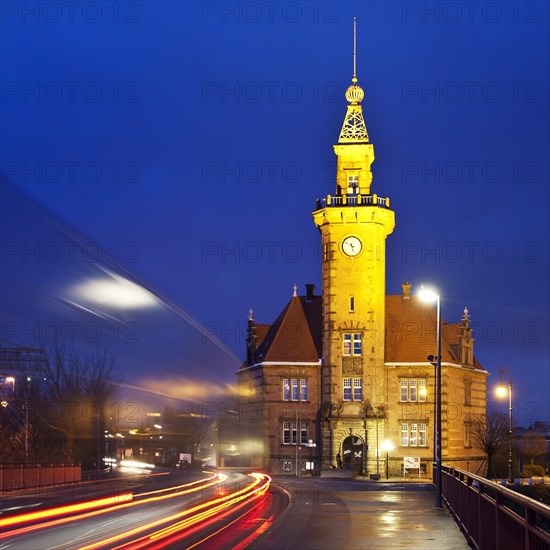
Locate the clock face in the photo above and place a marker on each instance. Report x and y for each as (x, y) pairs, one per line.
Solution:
(351, 246)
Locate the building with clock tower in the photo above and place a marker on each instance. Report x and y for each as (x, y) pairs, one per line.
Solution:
(338, 377)
(354, 225)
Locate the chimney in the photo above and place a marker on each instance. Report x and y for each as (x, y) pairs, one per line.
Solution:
(310, 290)
(406, 290)
(250, 338)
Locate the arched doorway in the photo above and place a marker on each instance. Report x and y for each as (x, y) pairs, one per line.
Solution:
(352, 454)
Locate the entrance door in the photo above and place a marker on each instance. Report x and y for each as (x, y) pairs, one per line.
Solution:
(352, 454)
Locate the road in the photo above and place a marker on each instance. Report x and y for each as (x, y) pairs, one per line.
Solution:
(174, 510)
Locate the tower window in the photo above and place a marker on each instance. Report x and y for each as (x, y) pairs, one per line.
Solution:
(352, 304)
(352, 343)
(357, 389)
(353, 185)
(353, 389)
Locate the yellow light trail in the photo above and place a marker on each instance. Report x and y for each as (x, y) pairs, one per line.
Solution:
(208, 482)
(206, 510)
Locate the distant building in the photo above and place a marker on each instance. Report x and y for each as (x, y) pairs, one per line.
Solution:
(337, 375)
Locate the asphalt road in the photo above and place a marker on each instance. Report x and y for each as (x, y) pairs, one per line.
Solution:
(329, 514)
(160, 503)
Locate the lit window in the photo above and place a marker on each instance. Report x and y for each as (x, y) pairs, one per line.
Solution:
(413, 435)
(295, 394)
(422, 429)
(404, 390)
(404, 435)
(422, 390)
(303, 389)
(413, 389)
(357, 389)
(295, 389)
(347, 389)
(357, 348)
(352, 344)
(353, 389)
(353, 185)
(286, 389)
(347, 344)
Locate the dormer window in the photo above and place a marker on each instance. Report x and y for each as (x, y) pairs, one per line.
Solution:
(353, 185)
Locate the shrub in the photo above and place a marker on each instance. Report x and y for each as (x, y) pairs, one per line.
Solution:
(531, 470)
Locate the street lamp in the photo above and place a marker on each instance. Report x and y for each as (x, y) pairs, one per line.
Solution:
(387, 446)
(311, 445)
(430, 295)
(501, 392)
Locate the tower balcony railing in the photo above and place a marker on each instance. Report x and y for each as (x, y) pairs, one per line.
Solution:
(357, 200)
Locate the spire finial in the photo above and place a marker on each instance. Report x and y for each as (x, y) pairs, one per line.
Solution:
(251, 314)
(295, 287)
(354, 94)
(354, 79)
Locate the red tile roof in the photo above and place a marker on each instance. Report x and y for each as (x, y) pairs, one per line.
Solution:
(296, 334)
(411, 332)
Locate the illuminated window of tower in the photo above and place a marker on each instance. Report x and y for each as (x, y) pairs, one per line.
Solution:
(352, 343)
(353, 185)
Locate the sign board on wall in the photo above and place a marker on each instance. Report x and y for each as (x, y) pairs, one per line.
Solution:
(411, 462)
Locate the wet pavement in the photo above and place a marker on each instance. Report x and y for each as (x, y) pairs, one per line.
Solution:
(338, 514)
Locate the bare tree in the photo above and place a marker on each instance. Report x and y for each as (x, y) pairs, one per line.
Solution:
(531, 446)
(490, 433)
(76, 389)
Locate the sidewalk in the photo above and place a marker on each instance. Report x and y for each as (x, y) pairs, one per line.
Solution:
(327, 514)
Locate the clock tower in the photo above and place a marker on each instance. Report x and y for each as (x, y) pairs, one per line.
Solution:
(354, 224)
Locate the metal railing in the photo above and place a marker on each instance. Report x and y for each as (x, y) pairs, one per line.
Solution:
(494, 517)
(357, 200)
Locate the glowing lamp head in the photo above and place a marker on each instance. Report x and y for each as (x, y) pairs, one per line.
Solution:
(501, 391)
(427, 294)
(387, 445)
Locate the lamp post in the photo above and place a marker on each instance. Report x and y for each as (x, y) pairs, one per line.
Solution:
(387, 446)
(501, 392)
(311, 445)
(430, 295)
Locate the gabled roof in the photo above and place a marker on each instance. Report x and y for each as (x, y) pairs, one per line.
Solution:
(296, 334)
(411, 328)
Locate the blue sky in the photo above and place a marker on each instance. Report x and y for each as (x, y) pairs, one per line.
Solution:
(183, 145)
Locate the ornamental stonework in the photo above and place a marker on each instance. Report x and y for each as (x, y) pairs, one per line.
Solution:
(352, 365)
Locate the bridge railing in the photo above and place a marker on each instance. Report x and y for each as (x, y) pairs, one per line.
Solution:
(494, 517)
